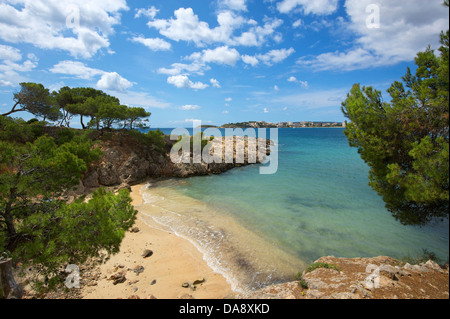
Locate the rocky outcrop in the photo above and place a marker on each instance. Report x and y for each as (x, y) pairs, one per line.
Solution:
(365, 278)
(126, 161)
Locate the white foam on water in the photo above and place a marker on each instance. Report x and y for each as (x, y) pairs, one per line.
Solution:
(227, 248)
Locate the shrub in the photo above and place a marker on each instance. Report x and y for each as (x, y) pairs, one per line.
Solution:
(321, 265)
(301, 282)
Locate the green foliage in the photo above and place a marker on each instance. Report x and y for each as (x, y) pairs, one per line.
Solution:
(197, 137)
(71, 233)
(36, 99)
(36, 225)
(301, 282)
(321, 265)
(104, 111)
(19, 131)
(157, 138)
(136, 117)
(406, 142)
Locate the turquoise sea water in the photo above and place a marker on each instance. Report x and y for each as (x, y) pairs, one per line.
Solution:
(317, 204)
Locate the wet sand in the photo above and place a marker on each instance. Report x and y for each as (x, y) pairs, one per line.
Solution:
(175, 261)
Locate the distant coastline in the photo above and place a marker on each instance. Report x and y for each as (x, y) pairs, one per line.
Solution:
(263, 124)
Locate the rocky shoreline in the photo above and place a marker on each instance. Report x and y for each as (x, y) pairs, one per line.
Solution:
(126, 161)
(364, 278)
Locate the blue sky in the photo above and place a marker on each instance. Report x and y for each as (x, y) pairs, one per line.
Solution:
(216, 61)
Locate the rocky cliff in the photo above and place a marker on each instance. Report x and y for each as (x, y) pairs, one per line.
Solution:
(364, 278)
(127, 161)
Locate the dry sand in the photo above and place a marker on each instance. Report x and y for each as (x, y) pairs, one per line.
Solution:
(175, 261)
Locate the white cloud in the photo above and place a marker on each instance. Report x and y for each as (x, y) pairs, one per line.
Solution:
(276, 88)
(6, 83)
(275, 56)
(182, 81)
(81, 28)
(9, 53)
(253, 61)
(406, 28)
(226, 112)
(108, 80)
(228, 99)
(269, 58)
(11, 67)
(266, 110)
(186, 26)
(154, 44)
(114, 82)
(76, 68)
(220, 55)
(179, 68)
(215, 83)
(293, 79)
(238, 5)
(190, 107)
(318, 7)
(297, 23)
(150, 12)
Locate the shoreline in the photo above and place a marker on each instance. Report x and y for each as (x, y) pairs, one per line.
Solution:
(175, 260)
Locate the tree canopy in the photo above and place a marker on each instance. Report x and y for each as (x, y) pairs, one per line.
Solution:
(103, 110)
(37, 100)
(406, 141)
(38, 224)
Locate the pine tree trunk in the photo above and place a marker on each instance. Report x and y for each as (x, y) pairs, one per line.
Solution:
(8, 287)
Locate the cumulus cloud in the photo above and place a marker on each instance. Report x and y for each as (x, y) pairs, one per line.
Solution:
(406, 28)
(269, 58)
(317, 7)
(252, 60)
(237, 5)
(108, 80)
(186, 26)
(179, 68)
(81, 28)
(11, 67)
(220, 55)
(114, 82)
(9, 53)
(76, 68)
(154, 44)
(215, 83)
(150, 12)
(293, 79)
(275, 56)
(182, 81)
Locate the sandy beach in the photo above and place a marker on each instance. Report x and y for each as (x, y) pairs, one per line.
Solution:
(174, 261)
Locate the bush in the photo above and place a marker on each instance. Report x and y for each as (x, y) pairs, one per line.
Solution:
(156, 138)
(321, 265)
(19, 131)
(301, 282)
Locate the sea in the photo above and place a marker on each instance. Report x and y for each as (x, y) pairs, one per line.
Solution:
(258, 230)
